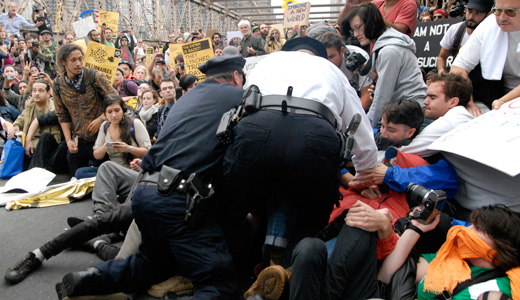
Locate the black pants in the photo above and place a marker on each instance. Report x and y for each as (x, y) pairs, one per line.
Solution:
(83, 158)
(279, 157)
(116, 220)
(49, 154)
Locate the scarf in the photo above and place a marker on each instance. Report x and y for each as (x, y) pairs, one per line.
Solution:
(146, 114)
(76, 83)
(449, 267)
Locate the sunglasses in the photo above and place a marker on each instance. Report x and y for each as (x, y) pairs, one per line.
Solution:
(510, 12)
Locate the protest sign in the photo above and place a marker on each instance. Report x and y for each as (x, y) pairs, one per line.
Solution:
(492, 139)
(149, 54)
(110, 19)
(210, 32)
(234, 38)
(103, 58)
(427, 37)
(297, 14)
(59, 6)
(175, 49)
(196, 53)
(251, 63)
(84, 26)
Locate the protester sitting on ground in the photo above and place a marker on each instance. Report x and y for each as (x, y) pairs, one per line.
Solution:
(40, 103)
(148, 111)
(274, 41)
(127, 89)
(399, 76)
(141, 73)
(7, 111)
(218, 51)
(121, 137)
(155, 79)
(490, 243)
(187, 82)
(15, 99)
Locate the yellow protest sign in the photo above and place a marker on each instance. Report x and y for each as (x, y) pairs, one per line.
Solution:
(196, 53)
(58, 16)
(297, 14)
(175, 49)
(110, 19)
(103, 58)
(149, 55)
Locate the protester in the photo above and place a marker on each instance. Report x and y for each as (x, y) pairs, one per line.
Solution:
(399, 76)
(11, 21)
(79, 86)
(127, 89)
(274, 41)
(250, 45)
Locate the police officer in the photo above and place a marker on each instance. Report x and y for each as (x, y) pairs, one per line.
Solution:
(284, 159)
(187, 143)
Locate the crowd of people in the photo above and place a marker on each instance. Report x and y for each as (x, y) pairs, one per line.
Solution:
(313, 172)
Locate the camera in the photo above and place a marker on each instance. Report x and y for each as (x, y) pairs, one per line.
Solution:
(181, 65)
(432, 202)
(271, 38)
(354, 61)
(458, 10)
(10, 76)
(41, 76)
(37, 8)
(195, 33)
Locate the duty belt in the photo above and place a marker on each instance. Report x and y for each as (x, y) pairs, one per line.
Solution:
(282, 102)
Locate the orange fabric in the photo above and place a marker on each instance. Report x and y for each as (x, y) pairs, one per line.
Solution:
(449, 267)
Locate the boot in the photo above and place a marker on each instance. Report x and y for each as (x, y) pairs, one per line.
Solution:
(269, 284)
(79, 283)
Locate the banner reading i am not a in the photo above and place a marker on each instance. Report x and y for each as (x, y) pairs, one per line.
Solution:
(195, 54)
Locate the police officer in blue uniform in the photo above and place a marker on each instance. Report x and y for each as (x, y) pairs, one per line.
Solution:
(187, 143)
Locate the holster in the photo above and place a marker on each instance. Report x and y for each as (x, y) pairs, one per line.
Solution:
(169, 179)
(199, 199)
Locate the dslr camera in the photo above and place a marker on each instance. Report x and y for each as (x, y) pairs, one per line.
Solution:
(354, 61)
(432, 202)
(37, 8)
(458, 10)
(271, 38)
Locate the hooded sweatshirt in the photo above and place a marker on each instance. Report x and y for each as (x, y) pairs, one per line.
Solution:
(399, 76)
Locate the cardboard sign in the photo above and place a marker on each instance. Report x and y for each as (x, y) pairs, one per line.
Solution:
(210, 32)
(174, 50)
(84, 26)
(195, 54)
(59, 5)
(103, 58)
(492, 139)
(427, 37)
(149, 55)
(110, 18)
(297, 14)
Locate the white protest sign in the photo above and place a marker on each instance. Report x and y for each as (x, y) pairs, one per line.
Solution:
(251, 63)
(84, 26)
(492, 139)
(297, 14)
(234, 37)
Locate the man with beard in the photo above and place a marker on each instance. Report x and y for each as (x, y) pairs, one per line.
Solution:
(458, 34)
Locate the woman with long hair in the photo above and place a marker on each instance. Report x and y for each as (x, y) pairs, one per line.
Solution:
(121, 137)
(393, 56)
(127, 89)
(148, 112)
(274, 41)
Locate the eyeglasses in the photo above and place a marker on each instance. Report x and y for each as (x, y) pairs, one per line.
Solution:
(438, 17)
(356, 29)
(510, 12)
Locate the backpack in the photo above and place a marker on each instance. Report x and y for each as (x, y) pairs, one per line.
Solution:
(127, 90)
(132, 129)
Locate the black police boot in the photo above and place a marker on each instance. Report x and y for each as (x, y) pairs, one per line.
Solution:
(79, 283)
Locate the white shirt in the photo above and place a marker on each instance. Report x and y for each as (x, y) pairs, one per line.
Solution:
(476, 48)
(449, 37)
(453, 118)
(316, 78)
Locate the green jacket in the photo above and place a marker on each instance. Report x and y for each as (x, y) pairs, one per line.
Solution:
(25, 119)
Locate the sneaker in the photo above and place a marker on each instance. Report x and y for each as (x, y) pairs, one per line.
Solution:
(177, 284)
(22, 269)
(269, 284)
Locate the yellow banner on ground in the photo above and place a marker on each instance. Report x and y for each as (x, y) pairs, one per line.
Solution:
(110, 19)
(103, 58)
(195, 54)
(175, 49)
